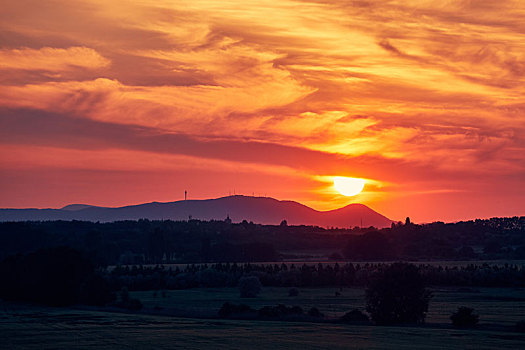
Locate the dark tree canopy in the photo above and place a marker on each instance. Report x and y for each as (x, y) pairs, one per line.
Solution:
(249, 286)
(194, 241)
(370, 246)
(464, 318)
(397, 294)
(55, 276)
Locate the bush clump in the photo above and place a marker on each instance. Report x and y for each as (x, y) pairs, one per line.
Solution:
(58, 276)
(464, 318)
(293, 292)
(280, 311)
(355, 317)
(134, 304)
(249, 286)
(126, 302)
(232, 310)
(314, 312)
(520, 326)
(397, 294)
(96, 291)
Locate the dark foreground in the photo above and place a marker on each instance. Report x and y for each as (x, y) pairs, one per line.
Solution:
(73, 329)
(35, 327)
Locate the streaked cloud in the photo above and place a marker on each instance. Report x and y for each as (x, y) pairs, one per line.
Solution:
(51, 59)
(424, 96)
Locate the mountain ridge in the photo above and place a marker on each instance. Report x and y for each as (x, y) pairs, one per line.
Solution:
(263, 210)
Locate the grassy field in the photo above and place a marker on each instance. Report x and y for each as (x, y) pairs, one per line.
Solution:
(499, 306)
(73, 329)
(28, 327)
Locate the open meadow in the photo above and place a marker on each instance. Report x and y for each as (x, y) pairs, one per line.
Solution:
(161, 325)
(496, 306)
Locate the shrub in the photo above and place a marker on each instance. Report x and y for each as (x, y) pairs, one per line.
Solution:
(369, 246)
(520, 326)
(295, 310)
(314, 312)
(229, 310)
(355, 317)
(280, 311)
(293, 292)
(134, 304)
(58, 276)
(464, 318)
(127, 302)
(96, 291)
(249, 286)
(397, 294)
(124, 295)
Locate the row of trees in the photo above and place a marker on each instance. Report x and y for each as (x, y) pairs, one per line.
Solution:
(395, 293)
(146, 241)
(58, 276)
(315, 275)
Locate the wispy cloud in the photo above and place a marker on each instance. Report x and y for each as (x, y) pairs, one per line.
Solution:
(51, 59)
(413, 93)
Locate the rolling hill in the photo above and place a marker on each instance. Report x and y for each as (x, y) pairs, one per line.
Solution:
(261, 210)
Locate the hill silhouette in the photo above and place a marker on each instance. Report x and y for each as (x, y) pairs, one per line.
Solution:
(75, 207)
(261, 210)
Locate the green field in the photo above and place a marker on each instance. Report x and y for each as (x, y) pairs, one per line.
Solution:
(69, 329)
(25, 327)
(498, 306)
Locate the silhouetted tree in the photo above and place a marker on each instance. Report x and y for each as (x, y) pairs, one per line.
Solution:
(127, 302)
(55, 276)
(466, 252)
(233, 310)
(156, 245)
(314, 312)
(369, 246)
(293, 292)
(464, 318)
(182, 241)
(249, 286)
(492, 247)
(397, 294)
(520, 326)
(96, 291)
(124, 295)
(280, 311)
(355, 317)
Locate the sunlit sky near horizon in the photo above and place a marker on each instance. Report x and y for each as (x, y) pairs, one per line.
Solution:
(123, 102)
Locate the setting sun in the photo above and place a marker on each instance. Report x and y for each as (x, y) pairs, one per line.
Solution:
(128, 102)
(348, 186)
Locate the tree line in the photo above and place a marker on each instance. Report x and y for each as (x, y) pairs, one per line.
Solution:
(306, 275)
(194, 241)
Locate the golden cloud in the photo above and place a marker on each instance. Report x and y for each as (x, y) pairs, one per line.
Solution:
(52, 59)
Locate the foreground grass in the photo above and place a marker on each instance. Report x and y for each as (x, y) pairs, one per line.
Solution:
(48, 328)
(497, 306)
(34, 327)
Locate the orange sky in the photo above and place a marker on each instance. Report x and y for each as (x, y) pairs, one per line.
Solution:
(122, 102)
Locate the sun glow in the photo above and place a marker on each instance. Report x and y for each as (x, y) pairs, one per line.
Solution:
(348, 186)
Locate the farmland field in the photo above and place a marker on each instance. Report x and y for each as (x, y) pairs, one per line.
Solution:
(498, 306)
(28, 327)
